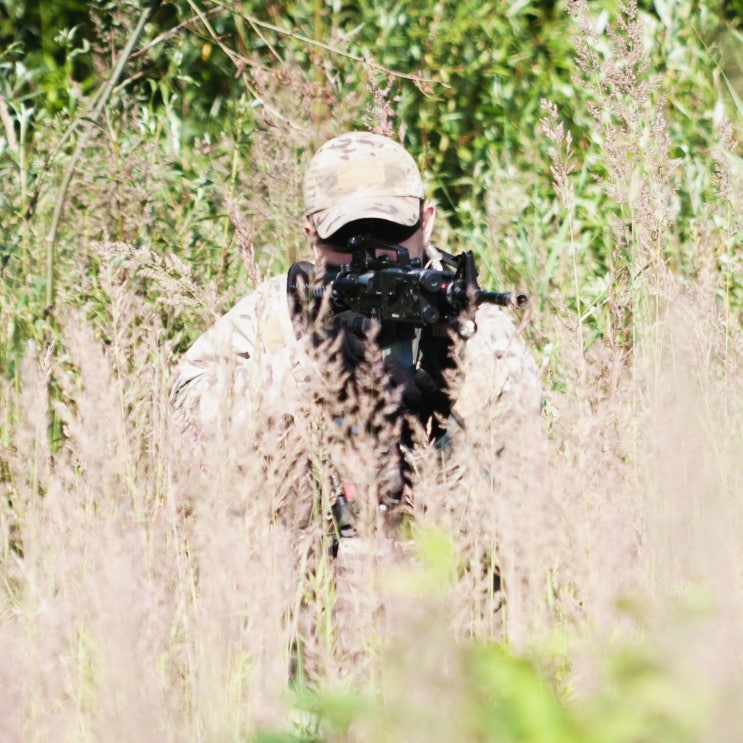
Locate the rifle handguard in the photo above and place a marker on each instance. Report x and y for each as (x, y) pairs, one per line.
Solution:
(402, 291)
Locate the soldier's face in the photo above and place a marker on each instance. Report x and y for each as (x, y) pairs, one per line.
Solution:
(415, 243)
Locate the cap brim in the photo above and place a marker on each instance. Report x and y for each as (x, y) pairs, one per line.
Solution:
(402, 210)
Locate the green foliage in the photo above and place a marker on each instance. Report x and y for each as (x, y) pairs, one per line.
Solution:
(49, 42)
(200, 151)
(435, 688)
(479, 85)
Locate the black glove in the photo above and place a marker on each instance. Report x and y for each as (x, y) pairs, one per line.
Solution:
(352, 328)
(420, 394)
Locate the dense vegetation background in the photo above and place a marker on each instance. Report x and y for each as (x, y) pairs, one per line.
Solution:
(151, 158)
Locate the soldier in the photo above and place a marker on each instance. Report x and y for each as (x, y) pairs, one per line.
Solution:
(260, 351)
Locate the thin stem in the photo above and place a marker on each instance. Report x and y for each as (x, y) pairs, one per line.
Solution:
(82, 142)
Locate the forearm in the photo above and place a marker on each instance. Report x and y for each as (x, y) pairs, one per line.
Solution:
(498, 371)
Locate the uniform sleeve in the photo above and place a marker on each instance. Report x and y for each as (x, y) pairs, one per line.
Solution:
(498, 369)
(249, 358)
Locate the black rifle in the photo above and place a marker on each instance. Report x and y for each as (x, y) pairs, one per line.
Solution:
(400, 290)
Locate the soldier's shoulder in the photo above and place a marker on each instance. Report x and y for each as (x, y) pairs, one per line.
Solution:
(269, 292)
(236, 330)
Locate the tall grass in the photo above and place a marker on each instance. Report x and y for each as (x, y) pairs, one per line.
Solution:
(574, 581)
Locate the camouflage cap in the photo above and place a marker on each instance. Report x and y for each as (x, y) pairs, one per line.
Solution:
(360, 175)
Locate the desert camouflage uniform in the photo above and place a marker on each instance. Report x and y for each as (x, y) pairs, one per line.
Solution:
(252, 353)
(253, 356)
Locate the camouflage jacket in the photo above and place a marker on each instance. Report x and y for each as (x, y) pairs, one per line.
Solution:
(253, 357)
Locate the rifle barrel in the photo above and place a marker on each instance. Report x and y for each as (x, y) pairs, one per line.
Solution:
(504, 299)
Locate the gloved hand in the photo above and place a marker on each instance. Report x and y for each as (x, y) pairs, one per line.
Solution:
(352, 328)
(420, 395)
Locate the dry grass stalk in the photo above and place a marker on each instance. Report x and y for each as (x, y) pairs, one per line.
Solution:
(628, 108)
